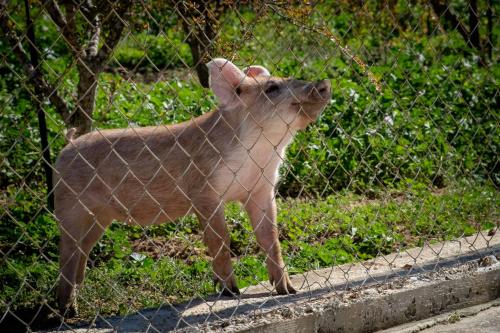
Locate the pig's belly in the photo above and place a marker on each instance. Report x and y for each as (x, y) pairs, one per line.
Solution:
(145, 207)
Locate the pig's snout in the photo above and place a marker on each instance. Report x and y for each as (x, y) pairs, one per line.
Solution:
(319, 91)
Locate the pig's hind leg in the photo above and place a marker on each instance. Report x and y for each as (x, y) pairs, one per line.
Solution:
(94, 233)
(80, 230)
(216, 237)
(76, 225)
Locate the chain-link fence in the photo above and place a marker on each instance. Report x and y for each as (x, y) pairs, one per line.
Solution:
(319, 134)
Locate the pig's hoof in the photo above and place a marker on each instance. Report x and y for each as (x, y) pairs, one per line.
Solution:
(234, 291)
(285, 290)
(227, 288)
(68, 312)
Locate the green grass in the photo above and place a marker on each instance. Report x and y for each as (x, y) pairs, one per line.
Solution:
(133, 268)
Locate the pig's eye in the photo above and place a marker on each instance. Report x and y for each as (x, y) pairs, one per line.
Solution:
(272, 88)
(238, 91)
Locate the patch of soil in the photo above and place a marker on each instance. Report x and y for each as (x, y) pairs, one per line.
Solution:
(175, 247)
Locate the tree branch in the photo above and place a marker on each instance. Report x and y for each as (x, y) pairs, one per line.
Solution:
(95, 30)
(475, 38)
(47, 90)
(471, 37)
(112, 26)
(199, 22)
(489, 29)
(66, 25)
(443, 10)
(8, 29)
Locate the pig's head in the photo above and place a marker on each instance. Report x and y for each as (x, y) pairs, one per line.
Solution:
(268, 100)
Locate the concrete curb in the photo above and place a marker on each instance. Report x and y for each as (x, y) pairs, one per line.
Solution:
(410, 303)
(444, 318)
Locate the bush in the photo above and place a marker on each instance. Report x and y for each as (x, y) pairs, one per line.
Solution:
(140, 52)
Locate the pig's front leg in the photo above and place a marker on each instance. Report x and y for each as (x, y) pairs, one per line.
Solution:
(261, 208)
(216, 237)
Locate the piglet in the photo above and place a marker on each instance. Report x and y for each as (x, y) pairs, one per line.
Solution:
(157, 174)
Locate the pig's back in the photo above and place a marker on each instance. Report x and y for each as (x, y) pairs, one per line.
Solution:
(118, 162)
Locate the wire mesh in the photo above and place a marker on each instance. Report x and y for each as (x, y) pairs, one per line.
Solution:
(403, 154)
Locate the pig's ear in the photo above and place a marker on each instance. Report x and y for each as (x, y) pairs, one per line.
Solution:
(225, 77)
(254, 71)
